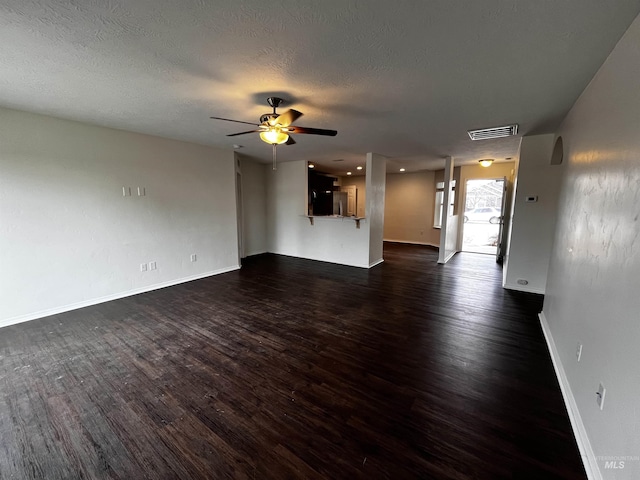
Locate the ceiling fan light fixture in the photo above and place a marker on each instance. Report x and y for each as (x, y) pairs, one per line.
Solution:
(274, 136)
(274, 128)
(486, 162)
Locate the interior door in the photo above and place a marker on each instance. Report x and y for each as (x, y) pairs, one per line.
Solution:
(352, 200)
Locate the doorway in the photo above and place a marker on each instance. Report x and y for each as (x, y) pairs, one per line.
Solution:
(483, 215)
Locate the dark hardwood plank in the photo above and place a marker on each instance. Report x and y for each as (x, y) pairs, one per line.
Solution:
(292, 369)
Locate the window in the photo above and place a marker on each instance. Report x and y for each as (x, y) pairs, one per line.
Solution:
(437, 214)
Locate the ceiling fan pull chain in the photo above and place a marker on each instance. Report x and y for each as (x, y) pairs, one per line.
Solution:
(274, 157)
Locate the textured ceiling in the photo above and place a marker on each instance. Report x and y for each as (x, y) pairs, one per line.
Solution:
(403, 78)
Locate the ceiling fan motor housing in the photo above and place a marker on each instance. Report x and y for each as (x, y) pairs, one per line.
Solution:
(269, 118)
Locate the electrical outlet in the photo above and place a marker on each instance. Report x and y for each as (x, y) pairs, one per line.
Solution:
(193, 257)
(152, 265)
(600, 396)
(126, 191)
(579, 351)
(141, 191)
(143, 267)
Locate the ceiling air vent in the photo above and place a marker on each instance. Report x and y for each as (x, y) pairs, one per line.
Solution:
(495, 132)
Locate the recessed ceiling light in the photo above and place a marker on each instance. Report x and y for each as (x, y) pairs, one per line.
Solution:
(359, 167)
(311, 165)
(493, 132)
(402, 169)
(348, 173)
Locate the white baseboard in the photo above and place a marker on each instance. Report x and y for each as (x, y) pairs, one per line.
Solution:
(335, 262)
(448, 257)
(260, 252)
(580, 433)
(108, 298)
(377, 262)
(523, 288)
(412, 243)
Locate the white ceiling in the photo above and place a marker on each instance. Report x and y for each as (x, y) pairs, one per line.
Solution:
(405, 78)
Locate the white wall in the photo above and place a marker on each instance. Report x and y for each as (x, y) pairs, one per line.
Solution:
(533, 224)
(254, 205)
(375, 186)
(68, 236)
(290, 232)
(408, 208)
(594, 276)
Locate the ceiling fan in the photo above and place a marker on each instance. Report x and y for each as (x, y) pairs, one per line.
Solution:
(276, 129)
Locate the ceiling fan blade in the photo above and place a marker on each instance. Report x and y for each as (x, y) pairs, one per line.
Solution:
(291, 141)
(236, 121)
(313, 131)
(242, 133)
(288, 117)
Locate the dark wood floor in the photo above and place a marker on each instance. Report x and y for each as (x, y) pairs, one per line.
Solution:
(292, 369)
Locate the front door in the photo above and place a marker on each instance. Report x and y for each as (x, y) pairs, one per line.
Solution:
(483, 215)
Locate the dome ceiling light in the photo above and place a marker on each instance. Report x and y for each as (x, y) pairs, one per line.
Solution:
(486, 162)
